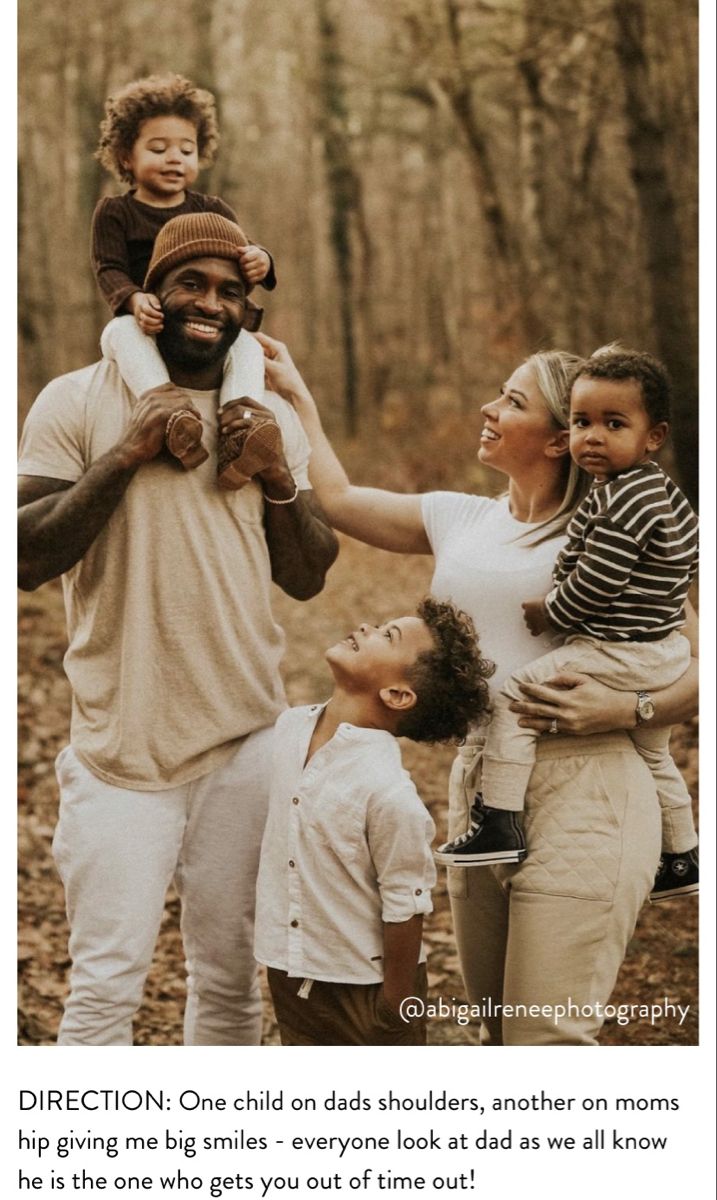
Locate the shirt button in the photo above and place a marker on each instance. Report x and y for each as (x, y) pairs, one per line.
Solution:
(295, 800)
(292, 863)
(418, 891)
(294, 924)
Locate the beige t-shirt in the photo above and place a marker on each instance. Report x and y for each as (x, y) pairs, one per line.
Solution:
(173, 650)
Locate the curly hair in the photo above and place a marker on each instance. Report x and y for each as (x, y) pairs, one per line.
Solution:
(449, 680)
(155, 96)
(614, 362)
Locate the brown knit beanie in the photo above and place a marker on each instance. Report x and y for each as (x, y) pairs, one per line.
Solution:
(194, 235)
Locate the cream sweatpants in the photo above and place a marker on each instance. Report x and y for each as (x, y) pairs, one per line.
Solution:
(552, 932)
(142, 366)
(509, 752)
(117, 851)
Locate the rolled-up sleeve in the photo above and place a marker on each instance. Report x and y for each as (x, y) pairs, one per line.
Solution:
(400, 832)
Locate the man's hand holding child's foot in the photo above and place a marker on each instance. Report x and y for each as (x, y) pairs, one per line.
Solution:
(165, 417)
(249, 443)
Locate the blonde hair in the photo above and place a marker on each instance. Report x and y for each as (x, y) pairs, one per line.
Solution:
(554, 372)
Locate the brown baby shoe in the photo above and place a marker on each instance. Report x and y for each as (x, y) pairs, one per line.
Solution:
(244, 452)
(183, 439)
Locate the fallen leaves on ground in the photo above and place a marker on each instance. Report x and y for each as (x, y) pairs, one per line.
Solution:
(364, 585)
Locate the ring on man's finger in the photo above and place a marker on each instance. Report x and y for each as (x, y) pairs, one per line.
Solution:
(246, 414)
(553, 726)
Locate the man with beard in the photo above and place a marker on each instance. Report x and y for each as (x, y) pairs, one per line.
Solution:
(173, 652)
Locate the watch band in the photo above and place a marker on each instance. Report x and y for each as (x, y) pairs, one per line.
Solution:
(645, 708)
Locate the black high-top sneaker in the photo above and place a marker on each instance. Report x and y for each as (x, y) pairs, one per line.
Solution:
(677, 875)
(495, 836)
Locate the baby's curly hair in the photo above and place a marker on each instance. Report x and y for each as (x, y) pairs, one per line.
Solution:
(449, 681)
(616, 362)
(155, 96)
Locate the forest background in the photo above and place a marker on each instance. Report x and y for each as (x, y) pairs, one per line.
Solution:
(445, 185)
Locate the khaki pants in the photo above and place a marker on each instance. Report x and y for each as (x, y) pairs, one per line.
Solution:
(118, 850)
(555, 928)
(342, 1014)
(509, 752)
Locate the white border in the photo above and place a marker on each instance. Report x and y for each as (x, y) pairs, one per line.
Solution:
(684, 1072)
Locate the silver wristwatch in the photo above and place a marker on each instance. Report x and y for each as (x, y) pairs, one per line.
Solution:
(645, 708)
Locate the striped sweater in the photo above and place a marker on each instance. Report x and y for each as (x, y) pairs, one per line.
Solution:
(630, 557)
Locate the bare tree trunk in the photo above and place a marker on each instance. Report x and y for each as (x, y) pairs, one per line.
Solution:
(674, 331)
(202, 20)
(510, 266)
(203, 68)
(345, 194)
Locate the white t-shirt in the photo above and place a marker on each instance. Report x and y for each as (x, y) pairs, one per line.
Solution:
(347, 846)
(173, 649)
(486, 566)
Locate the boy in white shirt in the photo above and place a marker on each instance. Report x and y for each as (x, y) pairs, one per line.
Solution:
(346, 866)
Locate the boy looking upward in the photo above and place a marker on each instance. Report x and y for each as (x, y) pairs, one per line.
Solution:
(346, 869)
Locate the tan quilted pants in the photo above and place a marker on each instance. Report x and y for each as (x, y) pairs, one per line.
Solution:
(509, 752)
(552, 931)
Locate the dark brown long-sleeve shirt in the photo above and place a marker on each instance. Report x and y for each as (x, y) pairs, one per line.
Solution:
(123, 235)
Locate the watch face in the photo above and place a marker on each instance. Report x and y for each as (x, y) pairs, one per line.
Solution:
(646, 709)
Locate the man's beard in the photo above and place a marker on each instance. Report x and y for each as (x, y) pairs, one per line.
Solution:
(179, 349)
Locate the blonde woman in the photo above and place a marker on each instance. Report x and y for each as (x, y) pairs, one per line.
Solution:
(541, 942)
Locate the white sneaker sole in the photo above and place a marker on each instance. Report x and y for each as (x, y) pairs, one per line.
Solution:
(479, 860)
(690, 889)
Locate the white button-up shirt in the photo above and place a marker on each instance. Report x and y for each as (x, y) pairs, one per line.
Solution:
(347, 846)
